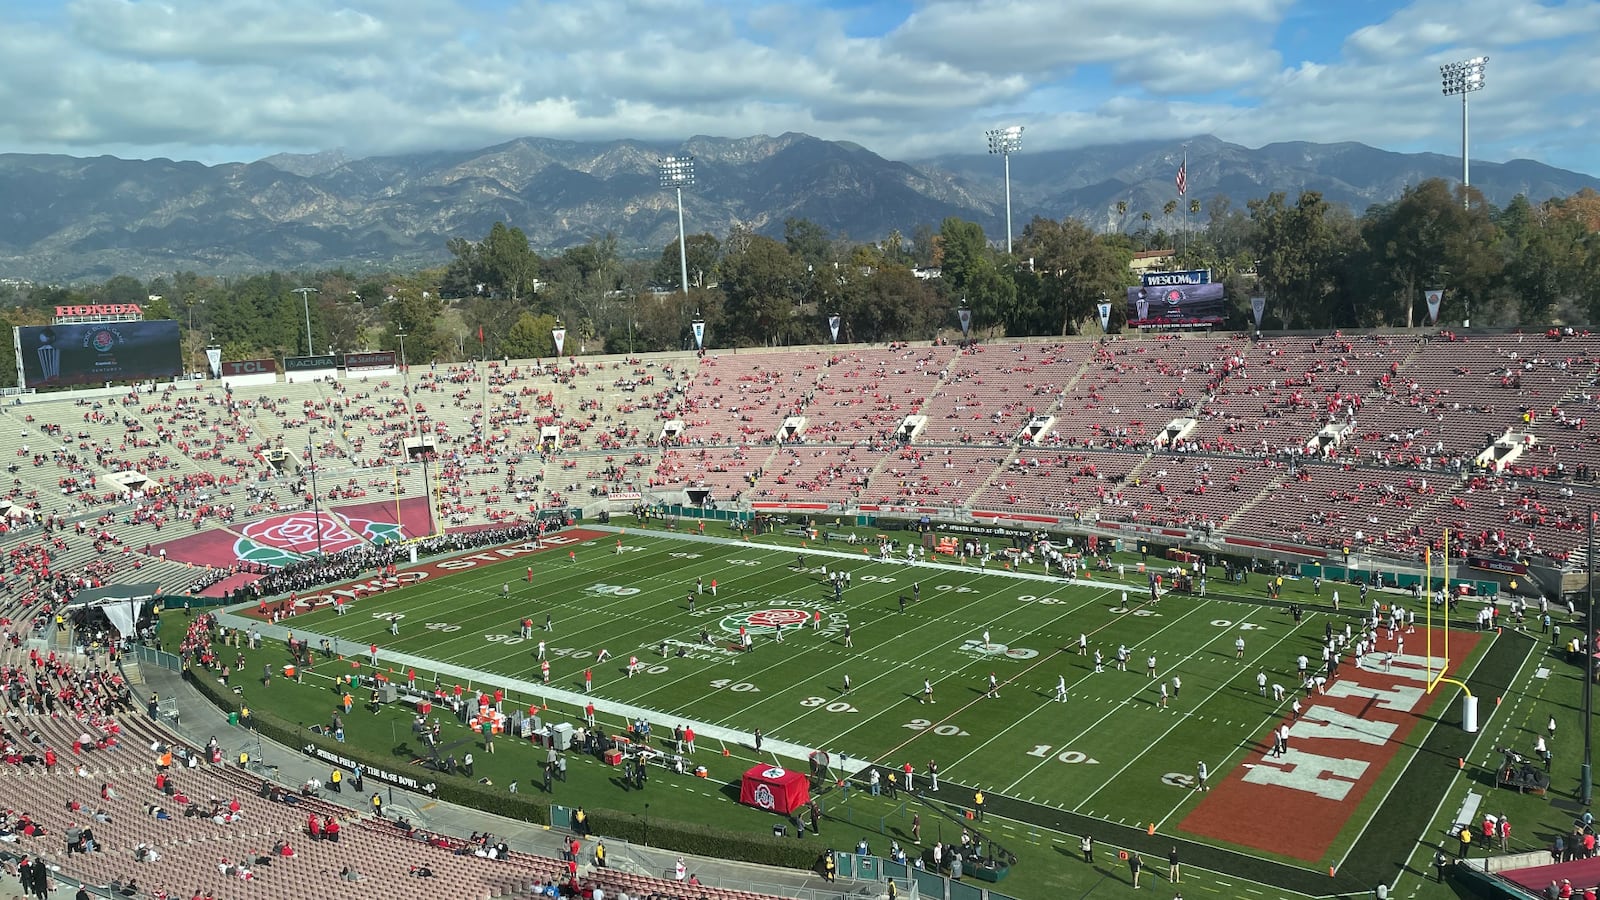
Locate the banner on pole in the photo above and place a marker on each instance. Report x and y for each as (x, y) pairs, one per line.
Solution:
(965, 315)
(699, 334)
(560, 334)
(833, 328)
(214, 357)
(1258, 306)
(1105, 315)
(1435, 297)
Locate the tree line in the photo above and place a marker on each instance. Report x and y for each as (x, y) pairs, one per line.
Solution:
(1318, 264)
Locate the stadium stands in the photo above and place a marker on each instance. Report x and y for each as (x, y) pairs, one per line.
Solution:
(1375, 443)
(1321, 439)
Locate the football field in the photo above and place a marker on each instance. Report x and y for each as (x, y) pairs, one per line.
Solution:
(1111, 747)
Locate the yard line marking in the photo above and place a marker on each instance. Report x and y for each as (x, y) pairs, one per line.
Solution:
(1059, 652)
(1222, 634)
(1021, 607)
(869, 603)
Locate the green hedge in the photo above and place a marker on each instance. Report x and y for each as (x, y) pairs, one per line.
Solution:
(703, 840)
(458, 790)
(666, 834)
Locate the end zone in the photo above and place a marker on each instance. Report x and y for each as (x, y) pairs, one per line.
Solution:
(1296, 803)
(407, 574)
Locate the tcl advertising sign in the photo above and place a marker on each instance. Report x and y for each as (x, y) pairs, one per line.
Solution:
(249, 367)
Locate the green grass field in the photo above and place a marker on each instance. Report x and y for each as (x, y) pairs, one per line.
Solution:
(1109, 754)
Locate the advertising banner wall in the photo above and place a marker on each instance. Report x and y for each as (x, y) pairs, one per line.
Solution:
(383, 360)
(250, 371)
(96, 352)
(1193, 304)
(310, 368)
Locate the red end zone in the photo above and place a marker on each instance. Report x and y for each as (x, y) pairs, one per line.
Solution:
(1296, 804)
(564, 541)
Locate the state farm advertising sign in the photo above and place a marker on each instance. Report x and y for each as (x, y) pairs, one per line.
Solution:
(249, 367)
(365, 362)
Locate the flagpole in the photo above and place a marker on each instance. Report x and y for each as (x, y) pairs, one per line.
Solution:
(1183, 188)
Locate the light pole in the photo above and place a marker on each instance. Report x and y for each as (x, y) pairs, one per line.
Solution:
(1586, 784)
(677, 172)
(305, 298)
(316, 501)
(1463, 78)
(405, 375)
(1006, 141)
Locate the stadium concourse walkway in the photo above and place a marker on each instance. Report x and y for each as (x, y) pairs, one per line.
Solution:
(198, 721)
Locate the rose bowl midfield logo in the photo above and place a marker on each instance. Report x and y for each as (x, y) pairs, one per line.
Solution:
(283, 539)
(761, 619)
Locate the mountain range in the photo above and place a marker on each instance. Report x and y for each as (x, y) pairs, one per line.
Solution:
(69, 218)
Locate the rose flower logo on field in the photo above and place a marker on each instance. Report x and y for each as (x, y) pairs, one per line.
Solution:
(766, 619)
(280, 540)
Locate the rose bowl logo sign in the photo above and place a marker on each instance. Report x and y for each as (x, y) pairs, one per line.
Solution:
(774, 619)
(283, 539)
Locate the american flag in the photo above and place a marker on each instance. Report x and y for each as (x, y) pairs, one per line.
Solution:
(1183, 178)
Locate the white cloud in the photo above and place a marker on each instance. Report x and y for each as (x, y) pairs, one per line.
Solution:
(1463, 25)
(230, 79)
(263, 31)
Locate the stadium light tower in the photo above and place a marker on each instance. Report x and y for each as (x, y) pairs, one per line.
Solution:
(1463, 78)
(1006, 141)
(677, 172)
(305, 298)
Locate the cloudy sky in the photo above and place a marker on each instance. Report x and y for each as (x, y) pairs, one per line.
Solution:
(222, 80)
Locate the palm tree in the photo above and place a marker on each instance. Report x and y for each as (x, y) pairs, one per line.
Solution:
(1194, 207)
(1122, 213)
(1170, 208)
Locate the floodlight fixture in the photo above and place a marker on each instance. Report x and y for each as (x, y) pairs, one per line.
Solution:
(677, 173)
(1465, 77)
(1006, 141)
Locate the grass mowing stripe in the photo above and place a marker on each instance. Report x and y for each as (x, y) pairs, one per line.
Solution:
(908, 741)
(1043, 659)
(487, 661)
(892, 663)
(778, 600)
(1058, 653)
(1143, 685)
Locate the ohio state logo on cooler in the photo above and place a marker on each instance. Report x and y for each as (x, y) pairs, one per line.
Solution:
(766, 618)
(774, 772)
(763, 797)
